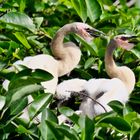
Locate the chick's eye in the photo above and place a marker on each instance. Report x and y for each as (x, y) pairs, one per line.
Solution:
(124, 38)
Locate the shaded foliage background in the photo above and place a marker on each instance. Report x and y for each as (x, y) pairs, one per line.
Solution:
(26, 29)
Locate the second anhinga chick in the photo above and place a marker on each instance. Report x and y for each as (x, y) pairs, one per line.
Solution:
(104, 90)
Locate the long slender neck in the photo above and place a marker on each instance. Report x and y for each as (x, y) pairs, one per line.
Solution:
(109, 61)
(68, 54)
(57, 45)
(124, 73)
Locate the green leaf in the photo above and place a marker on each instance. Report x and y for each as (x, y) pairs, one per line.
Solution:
(42, 74)
(136, 135)
(66, 111)
(83, 74)
(83, 10)
(2, 101)
(2, 65)
(123, 3)
(22, 130)
(26, 77)
(87, 127)
(22, 5)
(20, 36)
(117, 106)
(89, 47)
(136, 53)
(18, 106)
(49, 115)
(19, 93)
(52, 126)
(89, 62)
(39, 104)
(130, 117)
(117, 122)
(93, 9)
(80, 8)
(69, 113)
(67, 131)
(38, 21)
(18, 19)
(76, 6)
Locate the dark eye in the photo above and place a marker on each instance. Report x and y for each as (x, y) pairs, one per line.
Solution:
(124, 38)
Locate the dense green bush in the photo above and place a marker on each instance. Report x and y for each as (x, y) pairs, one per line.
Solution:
(26, 29)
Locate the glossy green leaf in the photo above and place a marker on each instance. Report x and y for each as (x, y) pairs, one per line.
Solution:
(130, 117)
(2, 65)
(87, 127)
(80, 7)
(47, 114)
(89, 62)
(93, 9)
(117, 122)
(89, 47)
(66, 111)
(52, 126)
(117, 106)
(20, 36)
(67, 132)
(69, 113)
(38, 21)
(22, 5)
(18, 106)
(83, 10)
(26, 77)
(19, 93)
(42, 74)
(18, 19)
(2, 101)
(22, 130)
(76, 6)
(38, 105)
(136, 53)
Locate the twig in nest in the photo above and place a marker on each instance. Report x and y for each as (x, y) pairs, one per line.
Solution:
(85, 94)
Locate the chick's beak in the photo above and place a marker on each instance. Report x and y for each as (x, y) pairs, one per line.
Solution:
(95, 33)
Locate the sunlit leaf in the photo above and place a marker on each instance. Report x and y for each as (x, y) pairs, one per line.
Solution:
(130, 117)
(87, 127)
(81, 9)
(136, 53)
(22, 130)
(89, 62)
(20, 36)
(26, 77)
(93, 9)
(38, 105)
(19, 93)
(38, 21)
(17, 106)
(49, 115)
(2, 101)
(18, 19)
(69, 113)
